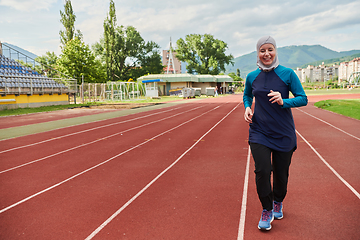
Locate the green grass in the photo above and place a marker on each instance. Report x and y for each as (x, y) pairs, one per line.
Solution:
(350, 108)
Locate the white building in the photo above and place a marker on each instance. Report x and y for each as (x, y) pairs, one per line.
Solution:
(170, 83)
(348, 68)
(320, 73)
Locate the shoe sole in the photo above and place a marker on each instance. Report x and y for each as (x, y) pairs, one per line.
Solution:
(264, 229)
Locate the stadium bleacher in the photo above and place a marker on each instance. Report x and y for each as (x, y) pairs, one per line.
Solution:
(18, 79)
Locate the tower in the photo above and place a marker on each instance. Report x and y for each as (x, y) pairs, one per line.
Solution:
(170, 60)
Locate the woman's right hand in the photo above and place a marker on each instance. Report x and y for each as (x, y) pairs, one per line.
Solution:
(248, 115)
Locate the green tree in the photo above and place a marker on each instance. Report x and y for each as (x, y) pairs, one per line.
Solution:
(77, 60)
(238, 72)
(135, 57)
(108, 42)
(124, 52)
(49, 64)
(237, 79)
(203, 54)
(68, 20)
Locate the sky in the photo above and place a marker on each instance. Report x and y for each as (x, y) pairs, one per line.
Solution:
(34, 25)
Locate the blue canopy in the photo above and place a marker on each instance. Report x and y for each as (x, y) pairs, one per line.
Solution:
(152, 80)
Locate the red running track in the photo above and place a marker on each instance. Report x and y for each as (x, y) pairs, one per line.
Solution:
(176, 173)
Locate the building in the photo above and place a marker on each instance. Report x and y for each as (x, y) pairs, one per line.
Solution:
(346, 69)
(320, 73)
(169, 83)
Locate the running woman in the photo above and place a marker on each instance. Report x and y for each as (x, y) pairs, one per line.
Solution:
(272, 136)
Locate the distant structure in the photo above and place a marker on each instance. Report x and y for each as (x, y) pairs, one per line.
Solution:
(173, 65)
(319, 73)
(347, 69)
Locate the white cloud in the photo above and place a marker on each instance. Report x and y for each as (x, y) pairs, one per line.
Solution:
(239, 23)
(28, 5)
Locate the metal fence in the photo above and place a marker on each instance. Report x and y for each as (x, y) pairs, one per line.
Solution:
(111, 91)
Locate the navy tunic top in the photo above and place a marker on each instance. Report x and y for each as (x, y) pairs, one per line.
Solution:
(273, 125)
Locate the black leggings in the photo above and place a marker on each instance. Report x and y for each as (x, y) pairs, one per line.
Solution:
(263, 167)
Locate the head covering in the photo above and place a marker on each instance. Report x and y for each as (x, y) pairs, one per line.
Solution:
(275, 63)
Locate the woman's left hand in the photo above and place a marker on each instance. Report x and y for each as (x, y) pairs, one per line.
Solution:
(276, 97)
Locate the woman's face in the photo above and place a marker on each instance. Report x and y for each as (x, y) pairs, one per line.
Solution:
(267, 54)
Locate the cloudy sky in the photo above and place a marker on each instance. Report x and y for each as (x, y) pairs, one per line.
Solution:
(35, 24)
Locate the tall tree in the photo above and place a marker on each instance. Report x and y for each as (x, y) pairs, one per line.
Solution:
(133, 56)
(68, 20)
(125, 52)
(109, 41)
(78, 60)
(203, 54)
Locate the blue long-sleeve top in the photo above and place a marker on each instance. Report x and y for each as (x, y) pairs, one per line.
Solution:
(273, 125)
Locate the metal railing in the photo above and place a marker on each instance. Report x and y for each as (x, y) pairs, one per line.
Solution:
(111, 91)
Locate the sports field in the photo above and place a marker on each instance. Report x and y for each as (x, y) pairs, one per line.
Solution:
(180, 170)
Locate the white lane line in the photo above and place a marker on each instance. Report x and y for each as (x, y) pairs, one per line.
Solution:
(97, 140)
(83, 131)
(331, 168)
(96, 231)
(102, 163)
(329, 124)
(244, 200)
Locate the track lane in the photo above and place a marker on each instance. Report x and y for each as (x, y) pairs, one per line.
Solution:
(338, 148)
(343, 123)
(318, 205)
(60, 167)
(129, 174)
(56, 145)
(199, 198)
(316, 197)
(38, 138)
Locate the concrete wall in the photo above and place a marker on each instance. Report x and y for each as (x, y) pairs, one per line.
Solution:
(23, 101)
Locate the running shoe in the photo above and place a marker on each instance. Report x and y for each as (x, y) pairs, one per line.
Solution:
(278, 210)
(266, 218)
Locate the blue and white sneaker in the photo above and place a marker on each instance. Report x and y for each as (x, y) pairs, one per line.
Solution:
(266, 218)
(278, 210)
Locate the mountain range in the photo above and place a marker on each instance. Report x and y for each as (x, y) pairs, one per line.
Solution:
(292, 57)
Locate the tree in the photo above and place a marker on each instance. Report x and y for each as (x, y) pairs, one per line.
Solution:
(109, 41)
(49, 64)
(238, 72)
(148, 61)
(125, 52)
(77, 60)
(68, 20)
(237, 80)
(135, 57)
(203, 54)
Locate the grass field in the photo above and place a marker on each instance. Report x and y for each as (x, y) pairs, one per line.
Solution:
(350, 108)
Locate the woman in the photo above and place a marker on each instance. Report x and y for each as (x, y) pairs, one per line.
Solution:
(272, 136)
